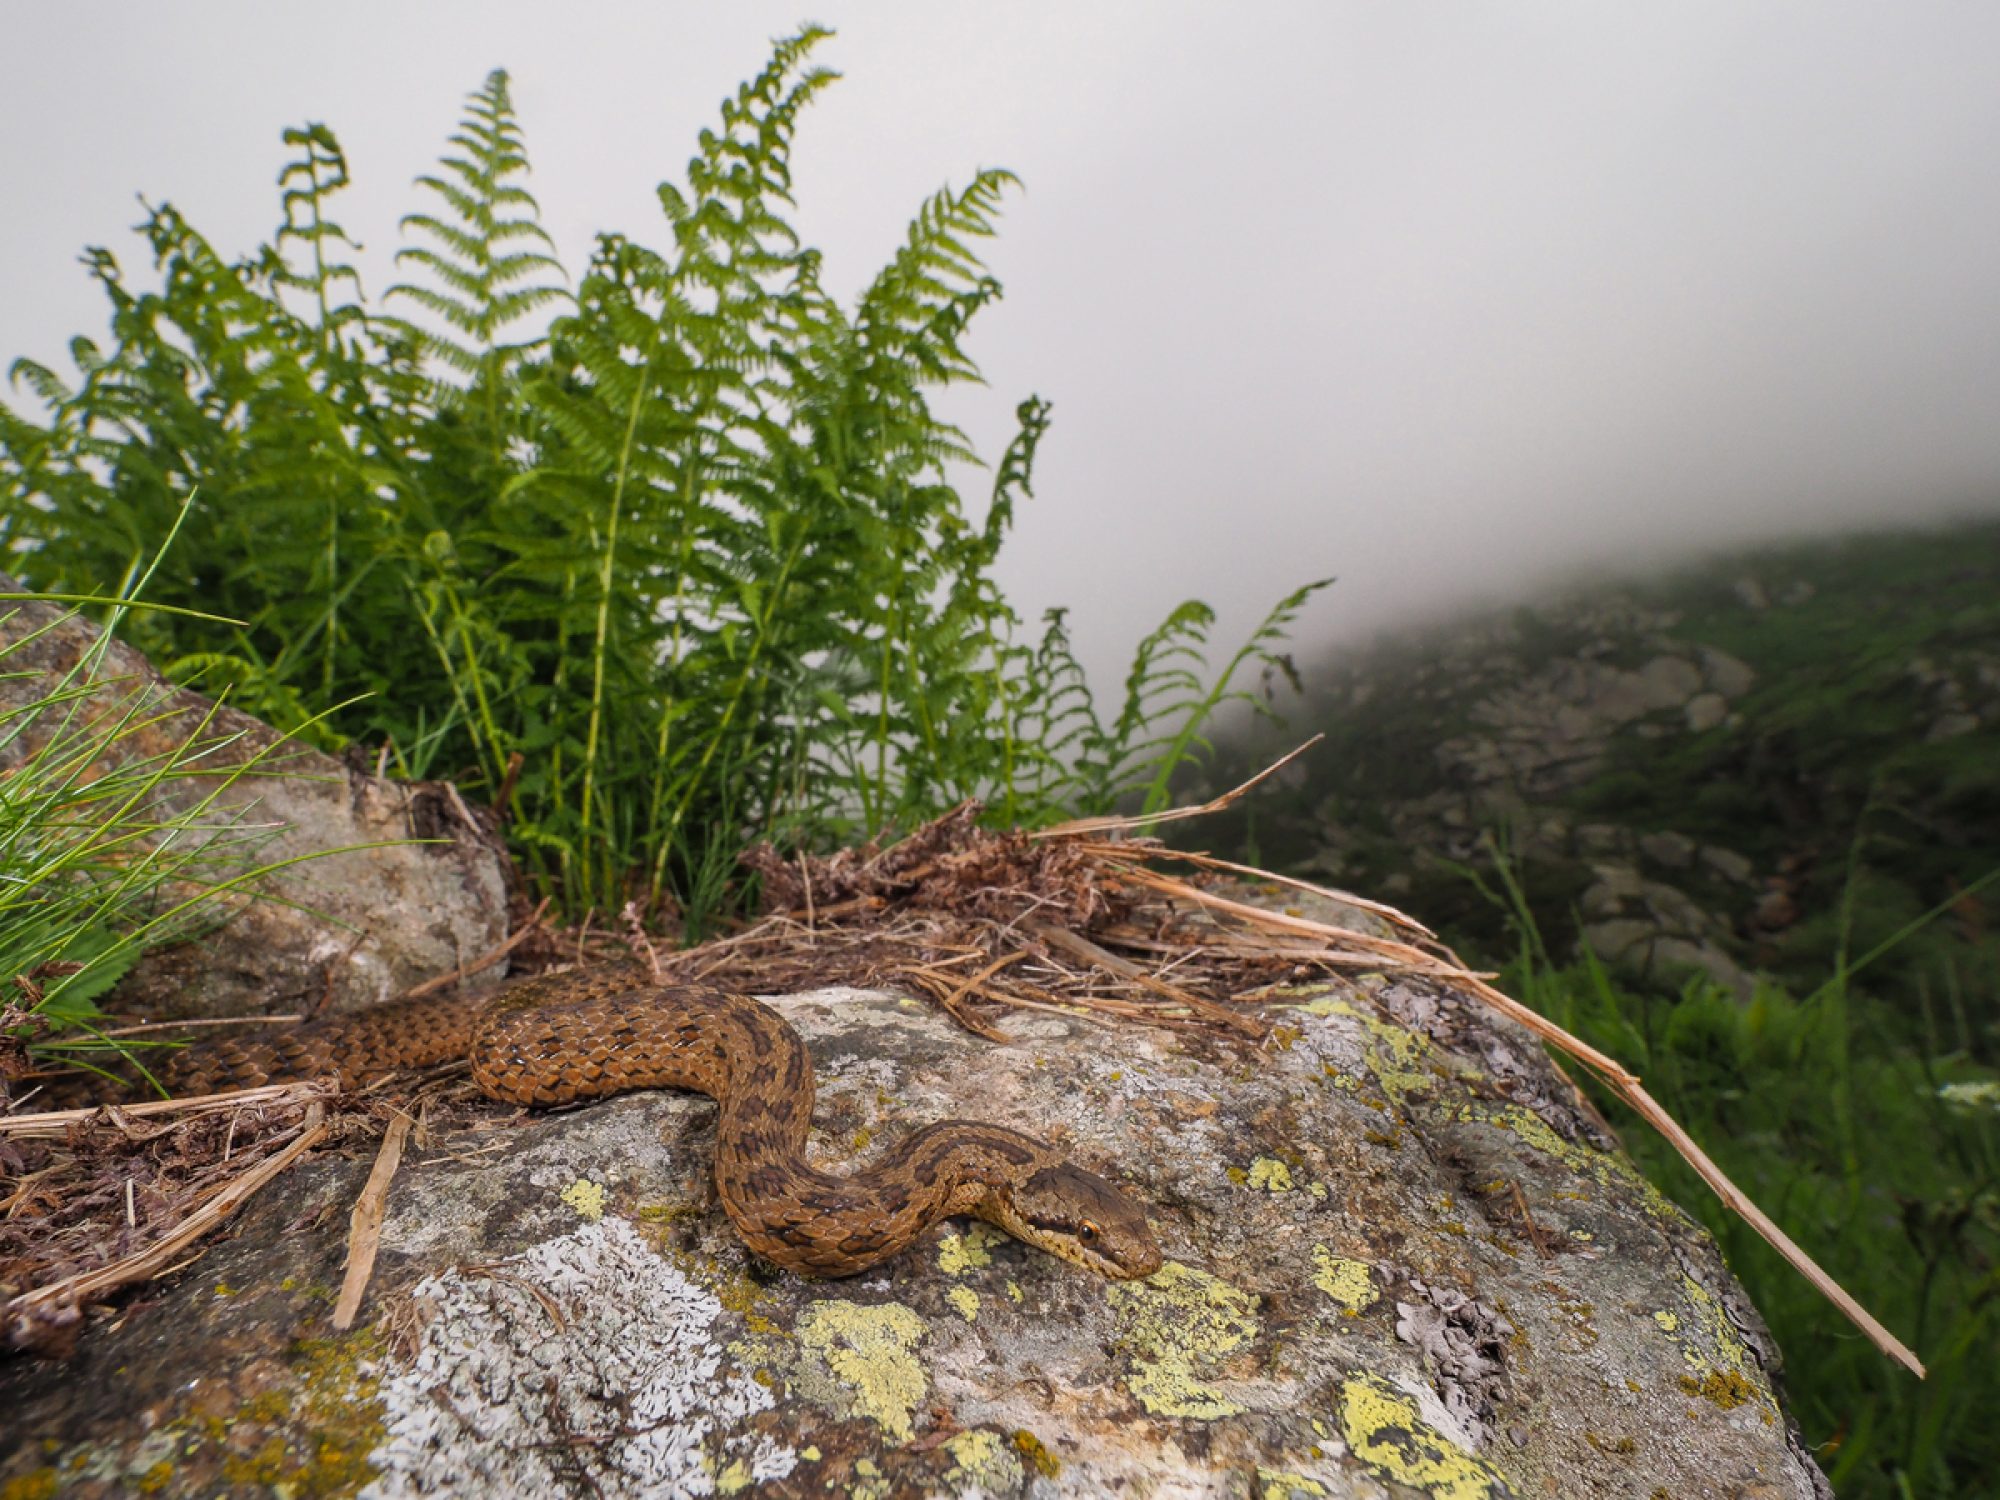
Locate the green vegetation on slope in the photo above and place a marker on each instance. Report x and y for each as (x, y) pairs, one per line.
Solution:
(1878, 1153)
(1857, 779)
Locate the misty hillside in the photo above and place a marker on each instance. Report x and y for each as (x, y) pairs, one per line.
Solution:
(1720, 768)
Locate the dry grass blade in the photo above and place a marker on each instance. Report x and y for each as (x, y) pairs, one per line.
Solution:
(952, 997)
(1082, 947)
(54, 1124)
(46, 1303)
(1625, 1083)
(364, 1224)
(1345, 898)
(1077, 827)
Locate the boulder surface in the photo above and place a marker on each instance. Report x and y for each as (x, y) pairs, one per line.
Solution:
(1399, 1262)
(419, 889)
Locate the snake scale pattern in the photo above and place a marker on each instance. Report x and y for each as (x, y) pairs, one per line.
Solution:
(590, 1033)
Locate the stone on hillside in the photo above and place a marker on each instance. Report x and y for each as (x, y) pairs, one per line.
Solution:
(1397, 1264)
(1673, 850)
(344, 930)
(1726, 674)
(1727, 863)
(1705, 711)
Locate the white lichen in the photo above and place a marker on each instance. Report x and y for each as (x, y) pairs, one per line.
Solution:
(586, 1352)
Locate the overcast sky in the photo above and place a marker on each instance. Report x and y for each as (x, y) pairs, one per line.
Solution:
(1443, 299)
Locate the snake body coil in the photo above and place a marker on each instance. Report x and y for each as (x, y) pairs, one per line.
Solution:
(595, 1032)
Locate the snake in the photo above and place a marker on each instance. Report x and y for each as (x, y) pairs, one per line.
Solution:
(590, 1033)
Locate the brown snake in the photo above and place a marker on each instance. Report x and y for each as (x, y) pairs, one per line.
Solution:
(589, 1033)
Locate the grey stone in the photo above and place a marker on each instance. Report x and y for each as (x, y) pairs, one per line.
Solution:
(1726, 674)
(1951, 726)
(1669, 681)
(1705, 711)
(1395, 1263)
(1673, 850)
(342, 929)
(1727, 863)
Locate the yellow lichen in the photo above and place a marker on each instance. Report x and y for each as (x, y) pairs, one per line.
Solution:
(871, 1354)
(1726, 1388)
(36, 1484)
(1036, 1454)
(1282, 1484)
(1720, 1365)
(1317, 1189)
(1385, 1430)
(869, 1481)
(586, 1198)
(1346, 1281)
(735, 1477)
(966, 1300)
(1667, 1321)
(959, 1253)
(1606, 1168)
(1014, 1291)
(1177, 1323)
(1270, 1174)
(980, 1461)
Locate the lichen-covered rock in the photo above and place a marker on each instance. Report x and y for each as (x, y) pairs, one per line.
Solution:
(419, 891)
(1397, 1265)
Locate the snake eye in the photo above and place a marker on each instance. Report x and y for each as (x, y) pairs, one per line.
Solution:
(1087, 1232)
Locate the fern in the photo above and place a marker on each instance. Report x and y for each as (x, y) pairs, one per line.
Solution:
(692, 559)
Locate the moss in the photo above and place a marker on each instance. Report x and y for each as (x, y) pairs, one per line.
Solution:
(732, 1288)
(1726, 1388)
(1036, 1454)
(341, 1409)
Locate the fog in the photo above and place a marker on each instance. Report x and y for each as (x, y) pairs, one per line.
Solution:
(1444, 300)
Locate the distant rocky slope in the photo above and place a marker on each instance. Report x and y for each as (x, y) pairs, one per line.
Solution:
(1708, 770)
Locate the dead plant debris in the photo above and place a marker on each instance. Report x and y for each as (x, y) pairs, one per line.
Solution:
(1078, 918)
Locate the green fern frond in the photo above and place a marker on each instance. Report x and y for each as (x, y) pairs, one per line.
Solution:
(480, 292)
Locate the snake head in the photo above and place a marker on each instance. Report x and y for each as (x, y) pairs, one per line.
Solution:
(1079, 1217)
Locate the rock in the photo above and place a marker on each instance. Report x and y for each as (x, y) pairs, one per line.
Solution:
(1669, 681)
(1705, 711)
(1727, 863)
(1397, 1263)
(1673, 850)
(345, 930)
(1725, 674)
(1750, 593)
(1951, 726)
